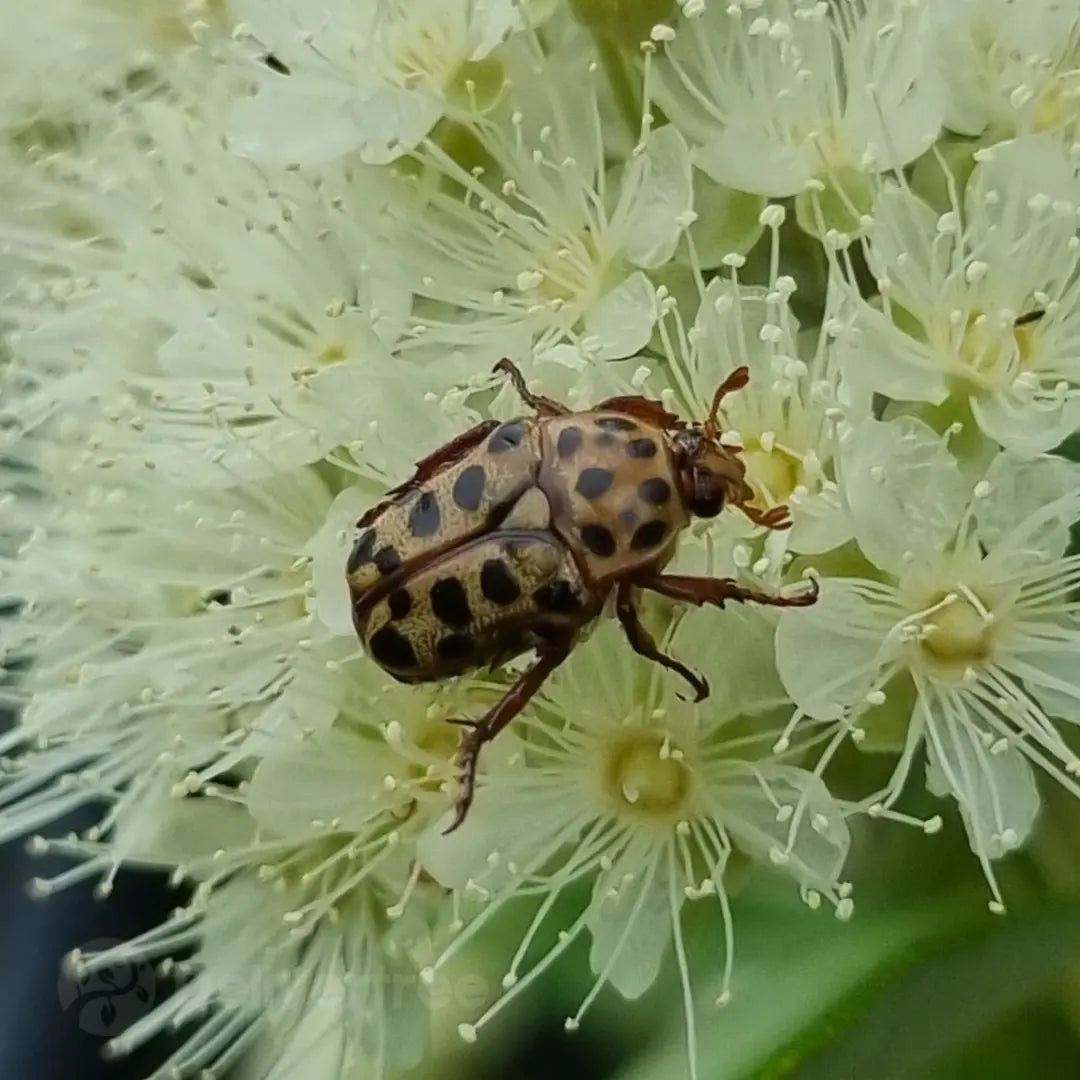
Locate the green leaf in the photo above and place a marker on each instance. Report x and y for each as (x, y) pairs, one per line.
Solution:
(943, 1004)
(796, 973)
(887, 995)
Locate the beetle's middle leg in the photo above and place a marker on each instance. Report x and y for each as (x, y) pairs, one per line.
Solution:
(643, 643)
(493, 721)
(545, 406)
(704, 590)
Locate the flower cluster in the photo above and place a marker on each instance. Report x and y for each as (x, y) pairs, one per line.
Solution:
(257, 258)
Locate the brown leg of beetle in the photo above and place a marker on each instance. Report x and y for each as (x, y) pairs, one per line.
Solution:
(778, 517)
(642, 642)
(492, 722)
(545, 406)
(702, 590)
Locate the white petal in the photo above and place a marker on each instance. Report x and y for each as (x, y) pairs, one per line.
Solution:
(491, 21)
(735, 651)
(501, 822)
(660, 199)
(392, 121)
(635, 923)
(904, 488)
(328, 776)
(829, 654)
(1018, 489)
(820, 522)
(1049, 670)
(996, 792)
(883, 358)
(904, 114)
(275, 125)
(1033, 163)
(623, 320)
(727, 329)
(1022, 428)
(815, 855)
(745, 157)
(177, 831)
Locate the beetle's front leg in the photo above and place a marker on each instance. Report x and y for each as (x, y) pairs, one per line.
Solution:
(545, 406)
(493, 721)
(703, 590)
(642, 642)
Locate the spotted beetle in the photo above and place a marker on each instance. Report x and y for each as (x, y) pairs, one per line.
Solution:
(513, 535)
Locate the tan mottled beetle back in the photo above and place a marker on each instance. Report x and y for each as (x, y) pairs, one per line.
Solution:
(512, 537)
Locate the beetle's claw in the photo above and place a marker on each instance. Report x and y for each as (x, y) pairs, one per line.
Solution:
(803, 593)
(470, 753)
(701, 689)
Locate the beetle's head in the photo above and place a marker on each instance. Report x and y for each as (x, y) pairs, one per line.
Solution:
(711, 473)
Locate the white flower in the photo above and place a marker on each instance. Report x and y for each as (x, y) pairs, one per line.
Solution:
(548, 244)
(362, 75)
(789, 96)
(253, 334)
(786, 417)
(340, 994)
(1010, 66)
(614, 778)
(968, 637)
(166, 624)
(978, 304)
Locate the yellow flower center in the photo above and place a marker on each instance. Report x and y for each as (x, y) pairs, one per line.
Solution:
(773, 474)
(989, 355)
(645, 776)
(957, 633)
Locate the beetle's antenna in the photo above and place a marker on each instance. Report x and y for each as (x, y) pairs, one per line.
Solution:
(735, 381)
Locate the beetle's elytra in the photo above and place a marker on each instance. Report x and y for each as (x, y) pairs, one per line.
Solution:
(512, 536)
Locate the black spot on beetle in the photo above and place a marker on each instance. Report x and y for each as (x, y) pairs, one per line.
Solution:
(424, 517)
(507, 436)
(592, 483)
(387, 560)
(628, 518)
(598, 539)
(400, 603)
(391, 648)
(655, 490)
(558, 596)
(450, 602)
(497, 582)
(605, 438)
(362, 551)
(454, 647)
(641, 448)
(648, 535)
(616, 423)
(469, 487)
(568, 441)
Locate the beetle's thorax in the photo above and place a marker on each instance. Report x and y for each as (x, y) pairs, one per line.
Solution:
(614, 491)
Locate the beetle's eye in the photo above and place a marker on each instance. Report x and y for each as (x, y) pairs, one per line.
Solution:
(707, 507)
(708, 494)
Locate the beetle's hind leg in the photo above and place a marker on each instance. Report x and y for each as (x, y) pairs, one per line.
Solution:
(545, 406)
(642, 642)
(492, 722)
